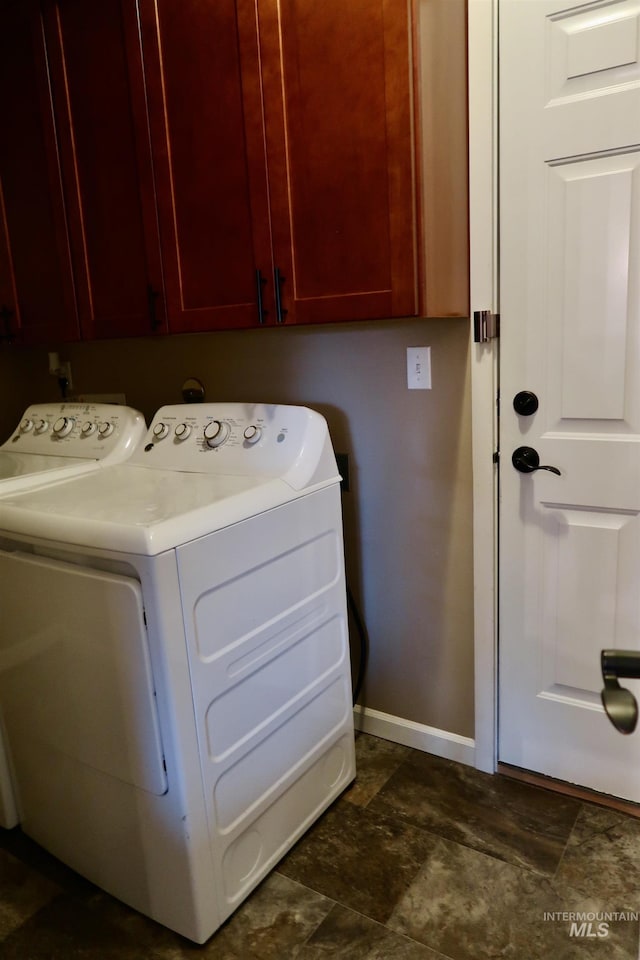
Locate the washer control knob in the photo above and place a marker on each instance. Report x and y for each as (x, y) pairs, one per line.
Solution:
(41, 426)
(63, 426)
(88, 428)
(216, 432)
(26, 425)
(182, 431)
(252, 433)
(160, 431)
(105, 429)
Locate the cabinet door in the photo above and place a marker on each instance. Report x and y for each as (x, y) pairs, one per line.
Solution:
(337, 87)
(205, 109)
(98, 96)
(36, 286)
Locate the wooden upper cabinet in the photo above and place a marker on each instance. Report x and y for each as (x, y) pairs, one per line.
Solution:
(37, 302)
(338, 118)
(283, 153)
(98, 98)
(205, 107)
(191, 165)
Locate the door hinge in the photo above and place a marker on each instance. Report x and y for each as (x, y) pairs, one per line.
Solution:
(486, 326)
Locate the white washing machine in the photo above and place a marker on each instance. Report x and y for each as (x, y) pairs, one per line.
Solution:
(54, 441)
(178, 702)
(58, 440)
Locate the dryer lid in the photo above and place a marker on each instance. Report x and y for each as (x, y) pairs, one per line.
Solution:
(135, 510)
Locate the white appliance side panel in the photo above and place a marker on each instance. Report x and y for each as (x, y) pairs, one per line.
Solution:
(75, 672)
(266, 626)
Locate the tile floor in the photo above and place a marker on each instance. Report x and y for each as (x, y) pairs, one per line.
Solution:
(422, 859)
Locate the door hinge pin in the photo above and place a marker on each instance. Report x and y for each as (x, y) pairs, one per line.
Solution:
(486, 326)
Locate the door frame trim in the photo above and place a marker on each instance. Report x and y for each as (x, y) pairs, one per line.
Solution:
(484, 264)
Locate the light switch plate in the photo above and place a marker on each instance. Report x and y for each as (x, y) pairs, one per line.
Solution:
(419, 368)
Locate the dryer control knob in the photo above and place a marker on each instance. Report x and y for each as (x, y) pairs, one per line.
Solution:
(216, 432)
(41, 426)
(182, 431)
(63, 426)
(26, 425)
(252, 433)
(88, 428)
(160, 431)
(105, 429)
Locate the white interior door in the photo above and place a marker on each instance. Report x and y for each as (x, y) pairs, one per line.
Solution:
(570, 333)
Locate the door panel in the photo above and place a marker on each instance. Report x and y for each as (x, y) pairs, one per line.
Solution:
(210, 163)
(36, 281)
(337, 89)
(98, 93)
(570, 310)
(599, 199)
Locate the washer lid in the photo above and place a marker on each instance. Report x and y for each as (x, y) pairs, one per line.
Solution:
(53, 441)
(139, 510)
(14, 466)
(25, 471)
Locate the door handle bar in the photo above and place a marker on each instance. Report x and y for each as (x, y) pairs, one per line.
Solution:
(619, 703)
(527, 460)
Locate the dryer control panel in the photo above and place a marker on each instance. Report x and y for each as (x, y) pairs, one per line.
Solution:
(241, 439)
(87, 431)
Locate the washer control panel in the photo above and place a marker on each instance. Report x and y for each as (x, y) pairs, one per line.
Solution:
(91, 431)
(242, 439)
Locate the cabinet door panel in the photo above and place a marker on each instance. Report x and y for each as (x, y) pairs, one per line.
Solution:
(106, 162)
(203, 88)
(36, 282)
(338, 120)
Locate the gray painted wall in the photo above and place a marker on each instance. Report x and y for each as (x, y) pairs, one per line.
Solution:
(409, 513)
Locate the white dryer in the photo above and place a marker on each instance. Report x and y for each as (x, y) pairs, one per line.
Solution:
(54, 441)
(178, 705)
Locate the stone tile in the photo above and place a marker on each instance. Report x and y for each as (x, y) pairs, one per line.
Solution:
(471, 906)
(602, 857)
(271, 924)
(376, 760)
(518, 823)
(422, 859)
(32, 855)
(66, 929)
(23, 892)
(348, 935)
(364, 860)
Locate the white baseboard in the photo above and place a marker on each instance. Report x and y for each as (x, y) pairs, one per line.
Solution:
(441, 743)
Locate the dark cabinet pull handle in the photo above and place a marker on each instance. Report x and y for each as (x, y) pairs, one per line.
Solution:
(278, 281)
(6, 313)
(152, 297)
(527, 460)
(260, 282)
